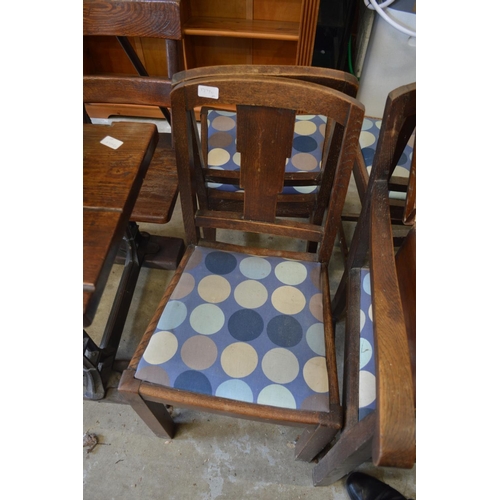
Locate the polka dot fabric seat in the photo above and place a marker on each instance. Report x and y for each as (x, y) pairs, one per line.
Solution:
(306, 155)
(367, 377)
(245, 328)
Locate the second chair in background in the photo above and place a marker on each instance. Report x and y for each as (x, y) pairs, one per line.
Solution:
(245, 326)
(308, 174)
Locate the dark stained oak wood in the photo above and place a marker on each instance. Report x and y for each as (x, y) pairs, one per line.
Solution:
(112, 179)
(157, 19)
(266, 108)
(140, 18)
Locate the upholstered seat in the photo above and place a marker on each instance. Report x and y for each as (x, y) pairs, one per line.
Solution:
(367, 374)
(243, 327)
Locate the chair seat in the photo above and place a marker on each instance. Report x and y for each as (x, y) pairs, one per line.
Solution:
(367, 378)
(368, 139)
(306, 155)
(255, 333)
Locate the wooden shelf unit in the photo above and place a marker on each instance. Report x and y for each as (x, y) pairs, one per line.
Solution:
(248, 32)
(214, 32)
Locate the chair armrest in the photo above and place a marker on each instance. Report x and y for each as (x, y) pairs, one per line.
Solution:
(394, 438)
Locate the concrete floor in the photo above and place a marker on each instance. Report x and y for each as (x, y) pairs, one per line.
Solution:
(212, 457)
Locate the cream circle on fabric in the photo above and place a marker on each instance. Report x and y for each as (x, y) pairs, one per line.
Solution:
(173, 315)
(304, 117)
(316, 306)
(378, 123)
(223, 123)
(370, 313)
(366, 139)
(207, 319)
(365, 352)
(255, 268)
(315, 337)
(305, 189)
(367, 388)
(214, 289)
(366, 284)
(218, 157)
(239, 360)
(288, 300)
(291, 273)
(315, 374)
(276, 395)
(305, 127)
(400, 171)
(199, 352)
(362, 320)
(161, 348)
(184, 287)
(304, 161)
(235, 389)
(322, 129)
(280, 365)
(237, 158)
(250, 294)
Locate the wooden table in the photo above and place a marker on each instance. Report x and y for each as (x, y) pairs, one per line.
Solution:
(112, 179)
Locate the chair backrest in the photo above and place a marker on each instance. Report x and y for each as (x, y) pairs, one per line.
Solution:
(133, 18)
(392, 289)
(335, 79)
(401, 184)
(266, 109)
(310, 202)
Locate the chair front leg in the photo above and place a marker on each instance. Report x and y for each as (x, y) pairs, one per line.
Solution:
(155, 415)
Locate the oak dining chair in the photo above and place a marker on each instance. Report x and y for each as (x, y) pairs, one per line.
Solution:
(244, 327)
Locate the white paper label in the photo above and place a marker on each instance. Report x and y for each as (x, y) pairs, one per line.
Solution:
(111, 142)
(210, 92)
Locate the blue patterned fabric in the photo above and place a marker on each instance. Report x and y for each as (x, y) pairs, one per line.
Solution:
(367, 378)
(370, 132)
(245, 328)
(307, 147)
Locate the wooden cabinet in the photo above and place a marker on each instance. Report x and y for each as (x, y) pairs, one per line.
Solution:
(248, 32)
(214, 32)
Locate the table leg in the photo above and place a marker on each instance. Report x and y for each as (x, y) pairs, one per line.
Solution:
(98, 360)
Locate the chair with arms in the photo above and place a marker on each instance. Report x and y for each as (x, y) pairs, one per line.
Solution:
(142, 18)
(244, 329)
(380, 303)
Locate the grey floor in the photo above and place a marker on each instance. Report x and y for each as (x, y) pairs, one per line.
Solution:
(212, 457)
